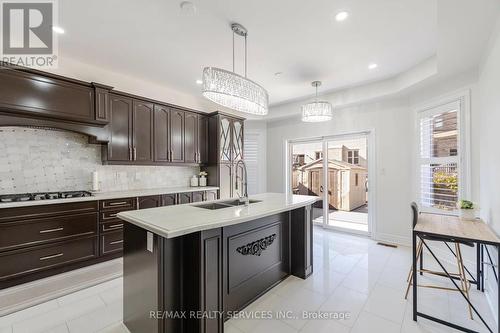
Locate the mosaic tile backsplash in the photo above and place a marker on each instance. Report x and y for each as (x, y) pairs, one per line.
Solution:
(37, 160)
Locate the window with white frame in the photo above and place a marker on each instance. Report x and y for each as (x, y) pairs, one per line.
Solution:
(442, 146)
(353, 156)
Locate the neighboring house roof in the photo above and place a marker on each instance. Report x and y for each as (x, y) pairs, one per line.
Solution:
(332, 164)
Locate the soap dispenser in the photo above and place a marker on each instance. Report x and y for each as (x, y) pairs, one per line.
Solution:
(194, 181)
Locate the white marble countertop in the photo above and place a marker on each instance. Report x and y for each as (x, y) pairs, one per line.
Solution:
(112, 195)
(174, 221)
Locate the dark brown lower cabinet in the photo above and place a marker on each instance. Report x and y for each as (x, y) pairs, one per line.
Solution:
(151, 201)
(111, 242)
(39, 241)
(185, 198)
(211, 195)
(169, 199)
(198, 196)
(211, 271)
(19, 263)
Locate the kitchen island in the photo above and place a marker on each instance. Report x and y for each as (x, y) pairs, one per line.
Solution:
(188, 267)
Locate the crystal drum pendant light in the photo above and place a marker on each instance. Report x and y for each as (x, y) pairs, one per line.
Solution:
(318, 110)
(234, 91)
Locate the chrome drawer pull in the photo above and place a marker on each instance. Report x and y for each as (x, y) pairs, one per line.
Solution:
(116, 242)
(118, 203)
(51, 230)
(115, 226)
(113, 215)
(52, 256)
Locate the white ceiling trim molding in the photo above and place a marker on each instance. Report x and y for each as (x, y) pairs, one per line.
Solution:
(364, 93)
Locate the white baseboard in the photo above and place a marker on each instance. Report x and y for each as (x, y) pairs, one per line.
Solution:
(392, 239)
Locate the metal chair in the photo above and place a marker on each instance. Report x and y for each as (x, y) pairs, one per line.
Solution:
(461, 275)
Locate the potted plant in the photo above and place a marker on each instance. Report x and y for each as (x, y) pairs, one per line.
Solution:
(467, 210)
(203, 179)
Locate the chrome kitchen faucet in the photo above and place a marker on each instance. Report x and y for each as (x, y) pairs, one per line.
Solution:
(243, 198)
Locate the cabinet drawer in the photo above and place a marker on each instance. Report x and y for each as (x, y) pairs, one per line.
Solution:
(110, 216)
(112, 242)
(31, 232)
(35, 212)
(111, 226)
(28, 261)
(123, 204)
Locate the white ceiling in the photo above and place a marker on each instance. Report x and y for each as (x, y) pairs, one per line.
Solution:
(154, 40)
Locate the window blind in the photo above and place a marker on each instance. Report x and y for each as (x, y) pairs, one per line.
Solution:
(439, 157)
(251, 152)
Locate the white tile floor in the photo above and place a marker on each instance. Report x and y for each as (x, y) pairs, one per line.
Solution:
(352, 275)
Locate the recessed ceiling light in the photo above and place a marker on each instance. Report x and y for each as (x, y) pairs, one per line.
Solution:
(58, 30)
(341, 16)
(278, 74)
(199, 82)
(372, 66)
(188, 8)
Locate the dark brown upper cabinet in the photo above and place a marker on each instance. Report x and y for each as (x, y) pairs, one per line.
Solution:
(191, 137)
(225, 153)
(230, 133)
(161, 134)
(176, 136)
(225, 150)
(237, 140)
(143, 113)
(120, 128)
(131, 130)
(202, 139)
(101, 102)
(42, 95)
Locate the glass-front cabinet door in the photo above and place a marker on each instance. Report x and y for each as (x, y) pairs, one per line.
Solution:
(237, 140)
(225, 139)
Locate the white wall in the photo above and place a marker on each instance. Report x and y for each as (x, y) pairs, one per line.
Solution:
(394, 122)
(391, 121)
(489, 99)
(489, 90)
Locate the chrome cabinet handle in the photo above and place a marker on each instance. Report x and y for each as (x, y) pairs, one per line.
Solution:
(51, 230)
(135, 154)
(116, 242)
(130, 153)
(52, 256)
(117, 203)
(112, 227)
(113, 215)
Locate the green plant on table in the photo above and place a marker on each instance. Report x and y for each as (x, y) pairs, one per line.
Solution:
(465, 204)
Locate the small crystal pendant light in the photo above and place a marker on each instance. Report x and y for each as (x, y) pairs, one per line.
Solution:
(317, 111)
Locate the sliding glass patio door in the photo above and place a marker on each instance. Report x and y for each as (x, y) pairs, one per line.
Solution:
(334, 169)
(306, 179)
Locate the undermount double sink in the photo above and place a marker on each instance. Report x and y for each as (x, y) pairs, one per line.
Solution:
(225, 204)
